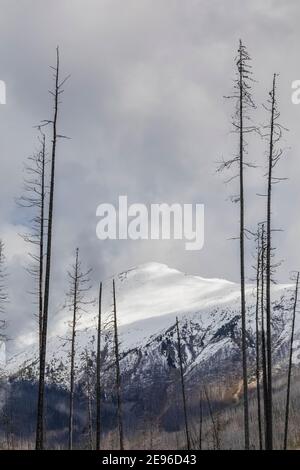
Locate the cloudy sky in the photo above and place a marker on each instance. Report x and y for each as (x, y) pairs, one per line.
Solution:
(146, 117)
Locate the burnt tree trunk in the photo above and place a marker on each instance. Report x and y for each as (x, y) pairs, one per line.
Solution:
(42, 366)
(242, 126)
(257, 332)
(215, 430)
(118, 372)
(200, 423)
(188, 442)
(287, 409)
(242, 244)
(41, 248)
(263, 336)
(268, 276)
(98, 378)
(89, 403)
(73, 337)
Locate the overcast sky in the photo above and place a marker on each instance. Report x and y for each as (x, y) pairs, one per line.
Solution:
(146, 117)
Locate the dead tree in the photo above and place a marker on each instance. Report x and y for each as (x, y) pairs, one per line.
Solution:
(274, 133)
(287, 408)
(242, 126)
(35, 197)
(257, 336)
(3, 291)
(7, 420)
(200, 422)
(98, 372)
(88, 390)
(58, 90)
(6, 408)
(263, 335)
(79, 286)
(118, 372)
(215, 430)
(268, 280)
(188, 442)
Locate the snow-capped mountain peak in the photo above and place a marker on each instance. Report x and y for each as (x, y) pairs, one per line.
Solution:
(149, 298)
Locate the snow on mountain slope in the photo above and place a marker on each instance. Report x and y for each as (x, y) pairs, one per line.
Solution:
(149, 297)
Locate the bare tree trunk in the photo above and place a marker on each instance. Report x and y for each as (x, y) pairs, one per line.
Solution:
(89, 403)
(72, 372)
(242, 249)
(41, 390)
(215, 431)
(3, 288)
(243, 103)
(263, 337)
(118, 373)
(258, 267)
(90, 422)
(200, 422)
(98, 384)
(7, 420)
(41, 248)
(34, 197)
(287, 409)
(188, 442)
(268, 276)
(79, 285)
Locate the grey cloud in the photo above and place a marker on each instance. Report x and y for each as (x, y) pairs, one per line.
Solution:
(145, 112)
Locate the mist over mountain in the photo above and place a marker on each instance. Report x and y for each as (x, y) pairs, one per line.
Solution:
(149, 298)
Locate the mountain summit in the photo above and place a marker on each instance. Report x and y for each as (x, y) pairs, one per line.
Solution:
(149, 297)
